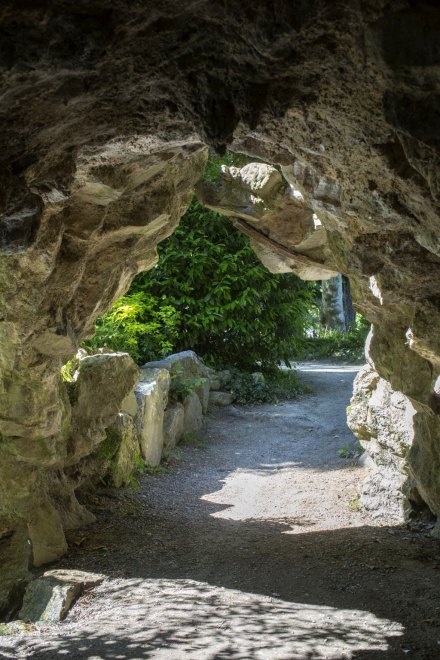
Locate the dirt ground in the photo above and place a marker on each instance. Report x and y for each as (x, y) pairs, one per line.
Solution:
(252, 547)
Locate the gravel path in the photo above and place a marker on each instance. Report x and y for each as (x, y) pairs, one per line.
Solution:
(252, 548)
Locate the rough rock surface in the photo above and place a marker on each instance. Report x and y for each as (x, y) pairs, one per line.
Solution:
(218, 398)
(122, 466)
(49, 598)
(152, 397)
(105, 112)
(192, 414)
(383, 421)
(172, 427)
(186, 363)
(285, 233)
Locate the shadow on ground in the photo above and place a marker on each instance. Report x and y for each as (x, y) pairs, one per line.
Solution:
(184, 582)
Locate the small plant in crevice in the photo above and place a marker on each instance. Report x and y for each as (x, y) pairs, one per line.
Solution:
(352, 451)
(355, 503)
(181, 387)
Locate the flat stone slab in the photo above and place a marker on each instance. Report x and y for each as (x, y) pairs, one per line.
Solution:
(48, 598)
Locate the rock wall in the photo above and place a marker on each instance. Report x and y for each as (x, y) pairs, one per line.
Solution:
(106, 107)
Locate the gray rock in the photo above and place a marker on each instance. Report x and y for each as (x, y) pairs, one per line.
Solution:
(49, 598)
(383, 421)
(186, 362)
(202, 392)
(152, 398)
(173, 423)
(220, 398)
(122, 465)
(193, 414)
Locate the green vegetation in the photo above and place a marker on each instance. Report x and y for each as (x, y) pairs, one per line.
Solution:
(276, 386)
(209, 293)
(353, 451)
(181, 387)
(348, 346)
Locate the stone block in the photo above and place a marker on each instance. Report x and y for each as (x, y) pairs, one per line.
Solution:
(173, 422)
(49, 598)
(149, 421)
(193, 414)
(122, 464)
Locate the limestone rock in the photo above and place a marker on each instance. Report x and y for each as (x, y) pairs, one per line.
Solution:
(102, 383)
(186, 363)
(150, 397)
(104, 139)
(49, 598)
(160, 376)
(193, 414)
(173, 423)
(202, 392)
(15, 561)
(129, 404)
(217, 398)
(122, 464)
(384, 422)
(46, 534)
(286, 234)
(219, 379)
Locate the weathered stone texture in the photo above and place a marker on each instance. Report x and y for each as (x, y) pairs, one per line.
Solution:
(152, 397)
(172, 427)
(105, 112)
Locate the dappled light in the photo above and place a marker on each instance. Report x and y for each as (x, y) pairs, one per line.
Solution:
(175, 618)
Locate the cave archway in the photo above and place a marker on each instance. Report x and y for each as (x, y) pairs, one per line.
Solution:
(106, 112)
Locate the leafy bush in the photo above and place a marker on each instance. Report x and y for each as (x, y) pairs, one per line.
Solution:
(139, 324)
(277, 386)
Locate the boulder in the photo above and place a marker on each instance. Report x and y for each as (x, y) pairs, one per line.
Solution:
(15, 560)
(202, 392)
(49, 598)
(151, 396)
(186, 363)
(193, 414)
(217, 398)
(173, 423)
(218, 379)
(102, 382)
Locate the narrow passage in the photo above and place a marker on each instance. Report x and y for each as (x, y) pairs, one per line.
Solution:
(253, 547)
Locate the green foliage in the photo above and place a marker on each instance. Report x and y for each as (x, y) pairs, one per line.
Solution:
(140, 324)
(181, 387)
(353, 451)
(277, 386)
(333, 343)
(232, 310)
(210, 293)
(67, 371)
